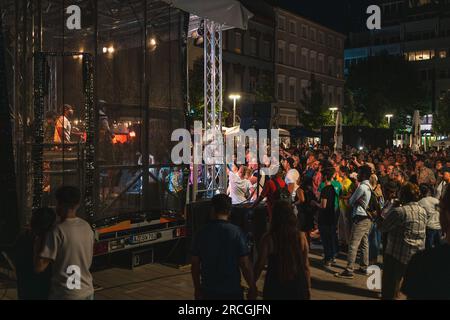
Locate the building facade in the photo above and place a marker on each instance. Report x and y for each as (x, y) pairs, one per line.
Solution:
(248, 59)
(417, 29)
(305, 49)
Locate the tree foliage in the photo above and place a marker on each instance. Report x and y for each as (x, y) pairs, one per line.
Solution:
(441, 119)
(383, 85)
(196, 92)
(315, 113)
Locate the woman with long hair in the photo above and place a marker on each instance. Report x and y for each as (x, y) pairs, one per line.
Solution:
(285, 250)
(305, 207)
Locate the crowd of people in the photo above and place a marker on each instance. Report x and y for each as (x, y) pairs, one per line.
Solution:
(387, 207)
(379, 207)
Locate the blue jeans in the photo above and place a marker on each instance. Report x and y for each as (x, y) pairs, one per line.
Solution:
(374, 243)
(433, 238)
(330, 242)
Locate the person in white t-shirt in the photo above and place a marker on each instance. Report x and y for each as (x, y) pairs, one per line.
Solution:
(292, 175)
(239, 187)
(63, 127)
(68, 248)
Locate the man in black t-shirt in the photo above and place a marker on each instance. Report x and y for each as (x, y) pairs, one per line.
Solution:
(428, 272)
(327, 219)
(219, 254)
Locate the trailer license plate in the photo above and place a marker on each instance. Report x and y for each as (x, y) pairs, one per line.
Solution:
(144, 237)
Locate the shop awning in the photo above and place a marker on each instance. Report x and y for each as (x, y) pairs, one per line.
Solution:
(230, 13)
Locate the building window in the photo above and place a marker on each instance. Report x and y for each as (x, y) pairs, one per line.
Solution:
(339, 68)
(292, 27)
(321, 67)
(237, 81)
(253, 46)
(312, 64)
(304, 89)
(281, 23)
(330, 95)
(252, 84)
(304, 58)
(420, 55)
(304, 31)
(339, 96)
(280, 87)
(281, 45)
(321, 37)
(292, 52)
(330, 41)
(238, 42)
(292, 85)
(312, 34)
(266, 49)
(331, 66)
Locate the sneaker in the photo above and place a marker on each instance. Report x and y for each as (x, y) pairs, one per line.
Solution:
(327, 263)
(361, 271)
(345, 274)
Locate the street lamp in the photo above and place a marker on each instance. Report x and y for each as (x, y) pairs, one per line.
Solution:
(389, 117)
(234, 97)
(333, 110)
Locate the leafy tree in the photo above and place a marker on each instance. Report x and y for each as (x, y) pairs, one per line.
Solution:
(385, 84)
(315, 112)
(196, 92)
(264, 90)
(441, 119)
(352, 116)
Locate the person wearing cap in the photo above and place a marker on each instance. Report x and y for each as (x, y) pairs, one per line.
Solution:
(443, 185)
(63, 127)
(424, 174)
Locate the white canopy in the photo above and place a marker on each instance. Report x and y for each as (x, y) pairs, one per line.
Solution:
(235, 130)
(441, 143)
(230, 13)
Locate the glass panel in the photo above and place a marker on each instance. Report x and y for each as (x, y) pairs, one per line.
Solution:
(119, 81)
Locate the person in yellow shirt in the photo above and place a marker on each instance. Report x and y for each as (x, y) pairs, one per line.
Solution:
(345, 223)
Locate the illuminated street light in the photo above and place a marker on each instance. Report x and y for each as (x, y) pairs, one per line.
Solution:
(389, 117)
(234, 97)
(109, 49)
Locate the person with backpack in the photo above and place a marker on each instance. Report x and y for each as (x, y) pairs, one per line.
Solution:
(274, 190)
(362, 223)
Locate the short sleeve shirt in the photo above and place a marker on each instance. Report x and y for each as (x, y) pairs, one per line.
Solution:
(220, 245)
(70, 246)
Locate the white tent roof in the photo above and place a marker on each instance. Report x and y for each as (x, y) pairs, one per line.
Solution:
(442, 143)
(230, 13)
(235, 130)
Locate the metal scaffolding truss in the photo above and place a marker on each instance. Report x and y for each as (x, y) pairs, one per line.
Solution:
(214, 175)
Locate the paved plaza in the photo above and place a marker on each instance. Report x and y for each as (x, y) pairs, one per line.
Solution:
(160, 282)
